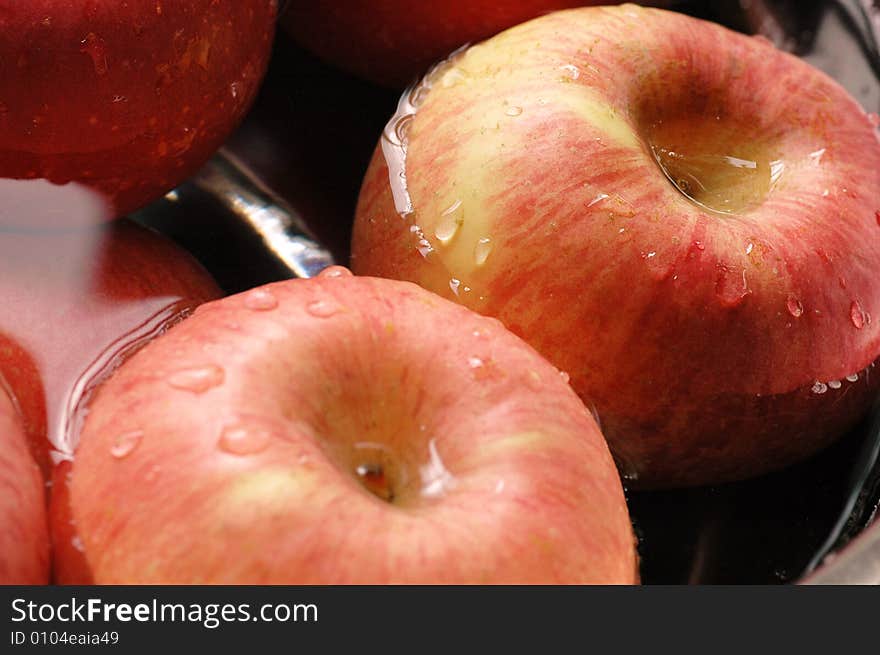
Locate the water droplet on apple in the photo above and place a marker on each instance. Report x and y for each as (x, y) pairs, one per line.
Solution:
(819, 387)
(454, 283)
(322, 308)
(731, 287)
(78, 544)
(475, 362)
(452, 77)
(852, 377)
(243, 439)
(499, 486)
(856, 315)
(197, 380)
(565, 377)
(436, 478)
(834, 384)
(599, 198)
(817, 155)
(446, 229)
(125, 443)
(794, 306)
(533, 380)
(260, 300)
(513, 110)
(571, 72)
(95, 47)
(335, 272)
(482, 251)
(452, 208)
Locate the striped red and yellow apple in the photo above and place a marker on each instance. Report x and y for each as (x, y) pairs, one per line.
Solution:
(342, 430)
(683, 218)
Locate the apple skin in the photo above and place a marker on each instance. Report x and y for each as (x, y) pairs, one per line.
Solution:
(24, 530)
(82, 300)
(714, 346)
(127, 100)
(242, 429)
(391, 42)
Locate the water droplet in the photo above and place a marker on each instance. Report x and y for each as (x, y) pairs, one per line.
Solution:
(447, 228)
(856, 315)
(233, 89)
(95, 47)
(322, 308)
(794, 306)
(819, 387)
(599, 198)
(565, 377)
(335, 272)
(454, 283)
(125, 443)
(499, 486)
(834, 384)
(533, 379)
(513, 111)
(436, 478)
(482, 251)
(260, 300)
(452, 77)
(731, 287)
(243, 439)
(197, 380)
(452, 208)
(475, 362)
(571, 72)
(78, 544)
(749, 247)
(852, 377)
(58, 456)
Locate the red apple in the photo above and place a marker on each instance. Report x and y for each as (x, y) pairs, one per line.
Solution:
(126, 98)
(344, 430)
(683, 218)
(76, 303)
(393, 41)
(24, 533)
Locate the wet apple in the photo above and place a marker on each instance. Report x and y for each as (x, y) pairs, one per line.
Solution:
(681, 217)
(127, 99)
